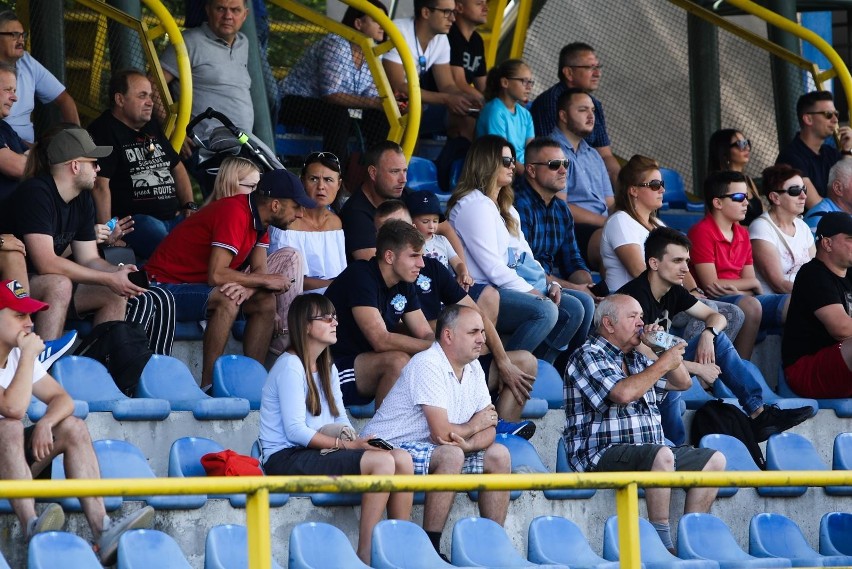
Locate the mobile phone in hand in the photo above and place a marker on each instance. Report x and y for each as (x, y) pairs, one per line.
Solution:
(139, 278)
(380, 443)
(600, 289)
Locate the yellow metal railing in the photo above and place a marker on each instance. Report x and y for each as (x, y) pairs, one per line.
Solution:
(258, 488)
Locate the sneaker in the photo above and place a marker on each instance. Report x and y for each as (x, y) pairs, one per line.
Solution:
(51, 519)
(54, 349)
(107, 546)
(523, 429)
(774, 420)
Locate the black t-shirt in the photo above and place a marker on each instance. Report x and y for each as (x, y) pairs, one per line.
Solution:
(675, 301)
(9, 139)
(361, 284)
(37, 207)
(815, 287)
(815, 167)
(359, 231)
(139, 169)
(469, 55)
(436, 286)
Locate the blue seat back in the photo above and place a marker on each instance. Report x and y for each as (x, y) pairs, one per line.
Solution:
(227, 548)
(483, 543)
(422, 175)
(85, 379)
(60, 549)
(563, 466)
(147, 548)
(774, 535)
(834, 531)
(842, 454)
(558, 541)
(314, 545)
(525, 459)
(736, 454)
(239, 376)
(400, 543)
(121, 459)
(549, 386)
(185, 456)
(704, 536)
(791, 451)
(652, 549)
(165, 377)
(695, 396)
(675, 194)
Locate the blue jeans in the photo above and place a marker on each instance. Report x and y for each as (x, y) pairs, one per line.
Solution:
(527, 319)
(190, 300)
(572, 327)
(772, 305)
(738, 376)
(147, 233)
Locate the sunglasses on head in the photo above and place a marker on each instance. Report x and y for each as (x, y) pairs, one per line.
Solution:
(319, 157)
(508, 161)
(653, 184)
(738, 197)
(554, 164)
(741, 144)
(794, 191)
(327, 318)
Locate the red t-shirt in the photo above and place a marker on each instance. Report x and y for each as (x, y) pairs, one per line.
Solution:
(184, 255)
(710, 246)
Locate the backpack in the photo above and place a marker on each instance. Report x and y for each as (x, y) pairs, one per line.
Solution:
(122, 347)
(719, 417)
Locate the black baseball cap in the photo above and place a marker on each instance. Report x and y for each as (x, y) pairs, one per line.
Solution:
(283, 184)
(833, 223)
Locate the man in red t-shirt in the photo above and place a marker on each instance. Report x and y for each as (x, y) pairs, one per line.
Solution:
(202, 263)
(722, 261)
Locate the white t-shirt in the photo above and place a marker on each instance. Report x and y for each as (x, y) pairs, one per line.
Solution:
(323, 251)
(620, 229)
(439, 248)
(428, 379)
(437, 50)
(793, 254)
(7, 374)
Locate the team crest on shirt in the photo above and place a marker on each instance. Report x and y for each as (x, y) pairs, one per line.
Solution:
(424, 282)
(398, 302)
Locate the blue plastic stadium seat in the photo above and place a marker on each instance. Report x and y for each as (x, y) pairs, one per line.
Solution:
(37, 409)
(188, 331)
(480, 542)
(774, 535)
(834, 531)
(397, 544)
(695, 397)
(121, 459)
(185, 461)
(57, 472)
(769, 396)
(534, 408)
(557, 541)
(147, 548)
(59, 549)
(563, 466)
(790, 451)
(680, 219)
(736, 455)
(653, 553)
(455, 173)
(88, 380)
(165, 377)
(704, 536)
(422, 175)
(524, 458)
(227, 548)
(842, 407)
(675, 195)
(315, 545)
(3, 564)
(841, 460)
(548, 386)
(239, 376)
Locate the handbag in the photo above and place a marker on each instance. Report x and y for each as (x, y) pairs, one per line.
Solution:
(340, 432)
(528, 269)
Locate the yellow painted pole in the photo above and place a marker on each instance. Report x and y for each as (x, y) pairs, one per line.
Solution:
(522, 22)
(257, 526)
(627, 508)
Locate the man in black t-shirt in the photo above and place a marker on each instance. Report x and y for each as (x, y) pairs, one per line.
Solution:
(467, 61)
(816, 351)
(144, 177)
(710, 355)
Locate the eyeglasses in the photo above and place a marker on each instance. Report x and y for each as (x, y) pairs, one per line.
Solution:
(447, 12)
(794, 191)
(653, 184)
(738, 197)
(827, 114)
(525, 82)
(592, 68)
(251, 187)
(508, 161)
(327, 318)
(742, 144)
(15, 35)
(554, 164)
(319, 156)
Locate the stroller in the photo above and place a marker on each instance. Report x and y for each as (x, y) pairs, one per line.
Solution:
(223, 141)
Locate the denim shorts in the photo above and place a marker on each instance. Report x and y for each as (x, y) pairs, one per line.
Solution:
(190, 300)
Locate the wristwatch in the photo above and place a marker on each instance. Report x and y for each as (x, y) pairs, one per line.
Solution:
(712, 331)
(191, 206)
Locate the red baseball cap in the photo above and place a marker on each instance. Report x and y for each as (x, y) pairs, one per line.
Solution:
(16, 297)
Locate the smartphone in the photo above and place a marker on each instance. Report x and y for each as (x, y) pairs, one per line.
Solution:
(600, 289)
(139, 278)
(380, 443)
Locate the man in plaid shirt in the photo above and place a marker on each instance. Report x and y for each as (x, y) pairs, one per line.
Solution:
(613, 423)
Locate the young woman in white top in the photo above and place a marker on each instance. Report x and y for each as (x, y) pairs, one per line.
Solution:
(781, 242)
(301, 395)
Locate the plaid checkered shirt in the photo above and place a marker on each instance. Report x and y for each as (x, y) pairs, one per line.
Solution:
(594, 423)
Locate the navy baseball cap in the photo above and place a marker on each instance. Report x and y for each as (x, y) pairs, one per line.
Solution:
(282, 184)
(423, 202)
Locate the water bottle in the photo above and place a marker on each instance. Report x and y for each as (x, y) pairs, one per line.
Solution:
(112, 223)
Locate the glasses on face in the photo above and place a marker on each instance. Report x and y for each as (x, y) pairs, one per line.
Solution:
(794, 191)
(827, 114)
(319, 156)
(250, 187)
(742, 144)
(554, 164)
(592, 68)
(447, 12)
(508, 161)
(524, 81)
(327, 318)
(653, 184)
(15, 35)
(738, 197)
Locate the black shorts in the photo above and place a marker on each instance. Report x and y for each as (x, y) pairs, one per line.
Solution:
(348, 386)
(629, 458)
(298, 461)
(28, 455)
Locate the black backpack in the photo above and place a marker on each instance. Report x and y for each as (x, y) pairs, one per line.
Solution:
(122, 347)
(719, 417)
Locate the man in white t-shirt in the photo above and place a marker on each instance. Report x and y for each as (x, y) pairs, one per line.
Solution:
(426, 36)
(28, 453)
(440, 411)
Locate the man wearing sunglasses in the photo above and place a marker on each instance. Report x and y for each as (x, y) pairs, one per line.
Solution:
(808, 152)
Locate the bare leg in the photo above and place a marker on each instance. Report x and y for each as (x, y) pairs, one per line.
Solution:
(508, 407)
(260, 312)
(748, 333)
(13, 466)
(373, 503)
(13, 265)
(376, 373)
(56, 291)
(107, 306)
(494, 505)
(221, 313)
(446, 459)
(659, 499)
(400, 503)
(701, 499)
(489, 303)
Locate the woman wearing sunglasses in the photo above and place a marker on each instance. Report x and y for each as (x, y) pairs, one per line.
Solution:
(780, 240)
(535, 314)
(301, 396)
(729, 149)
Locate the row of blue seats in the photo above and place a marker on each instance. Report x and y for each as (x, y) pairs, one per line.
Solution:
(704, 541)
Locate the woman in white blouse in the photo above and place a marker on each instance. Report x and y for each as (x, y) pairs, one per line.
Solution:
(781, 242)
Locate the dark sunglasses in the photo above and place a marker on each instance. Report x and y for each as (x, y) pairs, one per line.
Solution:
(327, 318)
(554, 164)
(508, 161)
(738, 197)
(741, 144)
(319, 157)
(827, 114)
(794, 191)
(653, 184)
